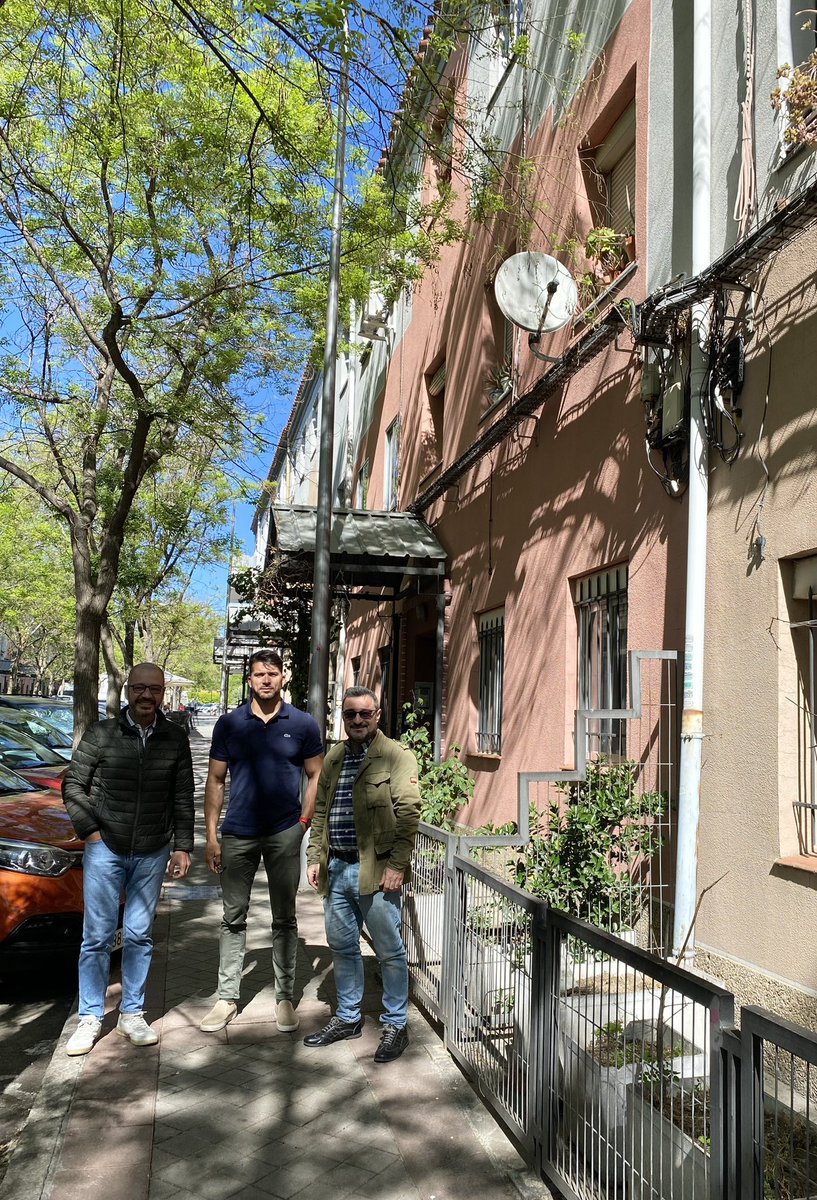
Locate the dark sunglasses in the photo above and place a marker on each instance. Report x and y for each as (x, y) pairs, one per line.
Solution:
(365, 714)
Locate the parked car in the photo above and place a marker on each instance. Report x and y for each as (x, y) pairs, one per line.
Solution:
(39, 728)
(40, 873)
(31, 759)
(59, 712)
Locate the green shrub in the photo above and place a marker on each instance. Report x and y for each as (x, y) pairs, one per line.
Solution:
(446, 786)
(584, 852)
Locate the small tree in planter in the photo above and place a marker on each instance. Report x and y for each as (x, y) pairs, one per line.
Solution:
(584, 851)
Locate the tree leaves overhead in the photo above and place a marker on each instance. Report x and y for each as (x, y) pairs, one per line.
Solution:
(165, 188)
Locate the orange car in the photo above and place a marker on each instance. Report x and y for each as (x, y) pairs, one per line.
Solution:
(40, 873)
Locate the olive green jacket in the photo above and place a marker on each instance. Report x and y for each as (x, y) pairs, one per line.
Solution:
(386, 803)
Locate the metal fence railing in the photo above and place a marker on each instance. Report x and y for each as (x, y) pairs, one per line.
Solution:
(617, 1073)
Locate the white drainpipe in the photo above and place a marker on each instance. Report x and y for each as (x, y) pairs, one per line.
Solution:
(689, 797)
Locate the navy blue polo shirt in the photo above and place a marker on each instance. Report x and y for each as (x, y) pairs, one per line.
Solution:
(265, 761)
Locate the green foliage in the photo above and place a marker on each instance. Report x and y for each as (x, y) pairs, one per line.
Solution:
(37, 592)
(283, 606)
(445, 786)
(584, 852)
(576, 41)
(606, 247)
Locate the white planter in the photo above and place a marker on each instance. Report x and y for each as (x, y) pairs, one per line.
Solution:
(595, 1101)
(496, 985)
(663, 1160)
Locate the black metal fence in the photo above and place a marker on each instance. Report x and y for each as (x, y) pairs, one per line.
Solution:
(617, 1073)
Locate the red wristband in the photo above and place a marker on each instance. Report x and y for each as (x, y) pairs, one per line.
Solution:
(305, 821)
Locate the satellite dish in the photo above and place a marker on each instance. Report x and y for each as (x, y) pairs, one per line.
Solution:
(536, 292)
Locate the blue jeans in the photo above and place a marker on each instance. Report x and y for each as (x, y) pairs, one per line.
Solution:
(345, 911)
(106, 876)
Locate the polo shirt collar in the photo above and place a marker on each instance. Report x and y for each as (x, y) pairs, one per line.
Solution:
(283, 711)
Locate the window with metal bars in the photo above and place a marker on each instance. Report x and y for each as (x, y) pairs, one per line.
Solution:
(491, 671)
(362, 490)
(392, 465)
(601, 609)
(804, 635)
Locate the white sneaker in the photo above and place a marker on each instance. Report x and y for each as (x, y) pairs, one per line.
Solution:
(286, 1017)
(84, 1036)
(135, 1027)
(220, 1014)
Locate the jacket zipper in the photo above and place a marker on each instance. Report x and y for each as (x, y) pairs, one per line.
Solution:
(140, 752)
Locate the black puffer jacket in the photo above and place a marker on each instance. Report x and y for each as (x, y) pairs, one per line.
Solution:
(138, 797)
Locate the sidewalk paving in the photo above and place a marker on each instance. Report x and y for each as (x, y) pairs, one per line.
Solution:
(250, 1112)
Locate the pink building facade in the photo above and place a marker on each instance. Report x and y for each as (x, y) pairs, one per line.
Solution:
(560, 540)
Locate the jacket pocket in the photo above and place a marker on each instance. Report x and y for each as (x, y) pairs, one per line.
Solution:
(377, 790)
(380, 809)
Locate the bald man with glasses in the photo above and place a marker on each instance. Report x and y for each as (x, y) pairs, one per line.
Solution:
(363, 832)
(129, 794)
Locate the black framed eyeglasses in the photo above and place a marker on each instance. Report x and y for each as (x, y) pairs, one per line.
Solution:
(155, 689)
(365, 714)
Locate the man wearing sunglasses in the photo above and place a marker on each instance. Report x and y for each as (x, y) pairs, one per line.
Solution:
(363, 833)
(129, 793)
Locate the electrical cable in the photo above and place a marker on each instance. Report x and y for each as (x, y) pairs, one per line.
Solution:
(758, 545)
(746, 198)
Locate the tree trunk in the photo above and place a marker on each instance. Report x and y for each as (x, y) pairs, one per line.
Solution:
(116, 676)
(130, 643)
(146, 629)
(86, 662)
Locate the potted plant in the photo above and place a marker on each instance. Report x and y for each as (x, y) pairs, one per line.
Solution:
(798, 101)
(606, 247)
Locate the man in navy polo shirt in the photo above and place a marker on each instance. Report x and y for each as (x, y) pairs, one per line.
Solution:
(264, 744)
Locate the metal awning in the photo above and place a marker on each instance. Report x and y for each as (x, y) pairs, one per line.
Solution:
(367, 549)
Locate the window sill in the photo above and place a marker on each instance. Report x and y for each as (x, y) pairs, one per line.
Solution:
(495, 405)
(503, 66)
(799, 862)
(484, 754)
(593, 311)
(430, 475)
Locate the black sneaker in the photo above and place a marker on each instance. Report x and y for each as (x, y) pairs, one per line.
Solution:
(335, 1031)
(392, 1043)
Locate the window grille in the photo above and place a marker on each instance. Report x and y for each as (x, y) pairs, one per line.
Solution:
(491, 670)
(362, 495)
(601, 606)
(805, 808)
(392, 464)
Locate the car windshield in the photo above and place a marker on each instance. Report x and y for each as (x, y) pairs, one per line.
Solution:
(63, 718)
(11, 783)
(20, 752)
(36, 727)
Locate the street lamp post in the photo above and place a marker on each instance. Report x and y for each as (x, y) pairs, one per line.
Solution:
(321, 596)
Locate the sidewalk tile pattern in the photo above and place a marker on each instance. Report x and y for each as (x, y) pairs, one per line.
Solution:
(250, 1113)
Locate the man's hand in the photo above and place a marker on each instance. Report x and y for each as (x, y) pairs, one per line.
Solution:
(179, 864)
(212, 855)
(96, 836)
(312, 874)
(392, 880)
